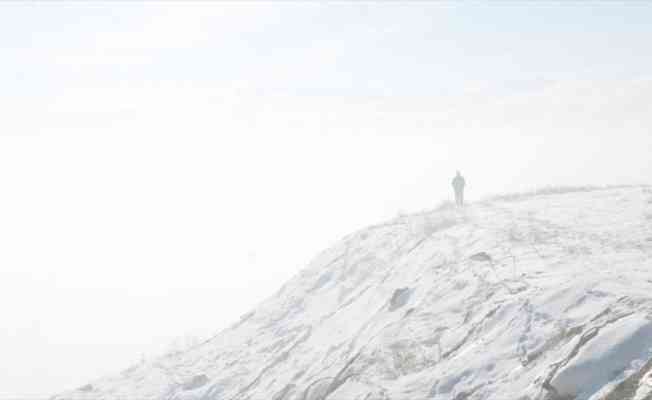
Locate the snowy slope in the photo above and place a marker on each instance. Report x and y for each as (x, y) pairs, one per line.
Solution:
(546, 296)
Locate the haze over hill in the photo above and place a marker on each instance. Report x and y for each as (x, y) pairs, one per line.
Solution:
(540, 296)
(161, 157)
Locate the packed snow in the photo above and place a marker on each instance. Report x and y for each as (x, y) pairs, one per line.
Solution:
(544, 296)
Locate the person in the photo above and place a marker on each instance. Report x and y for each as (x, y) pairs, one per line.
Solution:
(458, 186)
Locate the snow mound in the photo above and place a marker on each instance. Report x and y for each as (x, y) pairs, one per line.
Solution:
(539, 297)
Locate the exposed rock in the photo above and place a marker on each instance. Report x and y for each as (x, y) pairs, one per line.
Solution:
(482, 256)
(196, 382)
(626, 390)
(603, 356)
(399, 298)
(86, 388)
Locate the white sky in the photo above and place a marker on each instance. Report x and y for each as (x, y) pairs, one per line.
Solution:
(164, 167)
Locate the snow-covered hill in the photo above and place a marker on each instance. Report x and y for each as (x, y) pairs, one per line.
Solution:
(545, 296)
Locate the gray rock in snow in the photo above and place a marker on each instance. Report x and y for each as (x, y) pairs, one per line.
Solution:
(482, 256)
(196, 382)
(86, 388)
(399, 298)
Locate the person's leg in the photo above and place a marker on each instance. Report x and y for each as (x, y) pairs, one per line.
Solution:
(461, 197)
(457, 197)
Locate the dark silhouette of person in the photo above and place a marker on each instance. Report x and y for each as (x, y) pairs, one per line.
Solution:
(458, 186)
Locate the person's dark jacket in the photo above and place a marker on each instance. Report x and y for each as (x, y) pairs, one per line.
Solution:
(458, 182)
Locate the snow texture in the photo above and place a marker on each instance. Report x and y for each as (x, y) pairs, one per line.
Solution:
(539, 297)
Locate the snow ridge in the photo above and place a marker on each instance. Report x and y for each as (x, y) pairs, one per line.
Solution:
(542, 297)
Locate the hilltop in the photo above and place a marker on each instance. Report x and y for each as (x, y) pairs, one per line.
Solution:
(545, 296)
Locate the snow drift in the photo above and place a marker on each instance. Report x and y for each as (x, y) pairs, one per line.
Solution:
(541, 297)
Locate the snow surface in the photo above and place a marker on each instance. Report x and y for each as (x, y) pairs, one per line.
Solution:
(533, 297)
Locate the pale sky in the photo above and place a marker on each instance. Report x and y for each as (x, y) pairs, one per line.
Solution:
(165, 166)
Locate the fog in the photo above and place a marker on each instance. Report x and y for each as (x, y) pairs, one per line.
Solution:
(164, 166)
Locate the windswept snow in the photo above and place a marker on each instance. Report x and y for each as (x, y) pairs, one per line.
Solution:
(542, 297)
